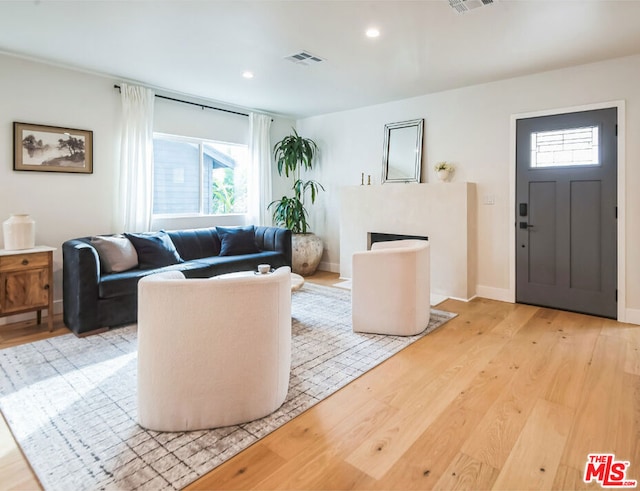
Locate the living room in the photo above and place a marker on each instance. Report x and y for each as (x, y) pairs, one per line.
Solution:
(67, 206)
(472, 126)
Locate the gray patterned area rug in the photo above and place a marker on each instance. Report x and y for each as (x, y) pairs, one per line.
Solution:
(71, 403)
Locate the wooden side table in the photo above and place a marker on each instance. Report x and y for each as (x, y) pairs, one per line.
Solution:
(26, 282)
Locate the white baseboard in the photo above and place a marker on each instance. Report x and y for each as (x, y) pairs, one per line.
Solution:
(504, 295)
(436, 299)
(460, 299)
(493, 293)
(632, 316)
(331, 267)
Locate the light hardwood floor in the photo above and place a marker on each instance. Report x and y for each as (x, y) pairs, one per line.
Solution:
(503, 396)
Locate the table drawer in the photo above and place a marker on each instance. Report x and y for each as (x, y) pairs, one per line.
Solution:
(17, 262)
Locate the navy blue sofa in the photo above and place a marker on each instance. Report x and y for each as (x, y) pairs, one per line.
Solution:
(94, 300)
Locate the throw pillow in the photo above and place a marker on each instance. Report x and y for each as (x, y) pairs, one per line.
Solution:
(155, 250)
(237, 240)
(116, 253)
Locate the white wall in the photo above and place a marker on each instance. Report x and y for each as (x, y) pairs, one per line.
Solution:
(468, 126)
(63, 205)
(471, 127)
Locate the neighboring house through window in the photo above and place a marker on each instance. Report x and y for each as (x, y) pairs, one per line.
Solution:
(198, 177)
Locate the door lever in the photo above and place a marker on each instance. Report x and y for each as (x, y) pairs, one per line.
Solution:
(525, 225)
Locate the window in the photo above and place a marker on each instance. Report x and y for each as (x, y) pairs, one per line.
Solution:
(198, 177)
(574, 146)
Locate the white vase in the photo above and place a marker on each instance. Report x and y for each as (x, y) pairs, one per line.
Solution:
(307, 252)
(19, 232)
(443, 175)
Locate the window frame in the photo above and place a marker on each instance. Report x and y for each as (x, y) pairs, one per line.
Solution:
(200, 142)
(596, 128)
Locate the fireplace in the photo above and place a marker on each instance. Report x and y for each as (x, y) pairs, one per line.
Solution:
(373, 237)
(445, 212)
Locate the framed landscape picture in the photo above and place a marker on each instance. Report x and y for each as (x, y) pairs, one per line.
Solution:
(52, 149)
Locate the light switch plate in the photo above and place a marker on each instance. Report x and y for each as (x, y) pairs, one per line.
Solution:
(489, 199)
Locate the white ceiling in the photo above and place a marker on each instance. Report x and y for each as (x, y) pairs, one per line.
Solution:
(201, 48)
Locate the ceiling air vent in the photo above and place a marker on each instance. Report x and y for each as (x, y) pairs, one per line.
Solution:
(304, 58)
(462, 6)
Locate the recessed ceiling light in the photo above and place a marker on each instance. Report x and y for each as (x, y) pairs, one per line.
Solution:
(247, 74)
(372, 32)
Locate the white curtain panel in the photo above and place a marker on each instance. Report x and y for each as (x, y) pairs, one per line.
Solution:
(259, 169)
(136, 159)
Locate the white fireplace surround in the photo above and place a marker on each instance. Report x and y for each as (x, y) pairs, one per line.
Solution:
(444, 212)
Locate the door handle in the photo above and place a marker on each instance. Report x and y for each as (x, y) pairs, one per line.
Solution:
(525, 225)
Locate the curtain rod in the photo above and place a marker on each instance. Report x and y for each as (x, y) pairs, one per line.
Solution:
(203, 106)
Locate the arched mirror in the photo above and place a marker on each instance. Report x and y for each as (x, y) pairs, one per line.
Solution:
(402, 157)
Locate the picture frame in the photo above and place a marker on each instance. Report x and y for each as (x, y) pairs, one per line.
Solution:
(43, 148)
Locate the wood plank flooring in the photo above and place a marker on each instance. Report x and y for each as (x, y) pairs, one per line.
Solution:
(504, 396)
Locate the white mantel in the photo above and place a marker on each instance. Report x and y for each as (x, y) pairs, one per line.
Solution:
(444, 212)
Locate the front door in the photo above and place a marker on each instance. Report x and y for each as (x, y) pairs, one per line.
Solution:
(566, 193)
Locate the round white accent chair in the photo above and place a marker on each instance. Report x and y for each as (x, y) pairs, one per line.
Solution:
(212, 352)
(390, 292)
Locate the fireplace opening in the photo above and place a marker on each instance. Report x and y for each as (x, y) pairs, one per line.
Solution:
(373, 237)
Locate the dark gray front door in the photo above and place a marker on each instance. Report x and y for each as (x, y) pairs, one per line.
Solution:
(566, 194)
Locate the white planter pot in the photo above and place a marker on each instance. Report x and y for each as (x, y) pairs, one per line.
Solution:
(443, 175)
(307, 253)
(19, 232)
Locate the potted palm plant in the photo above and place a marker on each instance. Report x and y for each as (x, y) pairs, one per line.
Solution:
(292, 155)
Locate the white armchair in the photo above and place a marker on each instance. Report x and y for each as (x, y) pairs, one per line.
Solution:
(391, 288)
(212, 352)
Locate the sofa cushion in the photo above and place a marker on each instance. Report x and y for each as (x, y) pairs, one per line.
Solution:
(196, 243)
(155, 250)
(116, 253)
(237, 240)
(126, 283)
